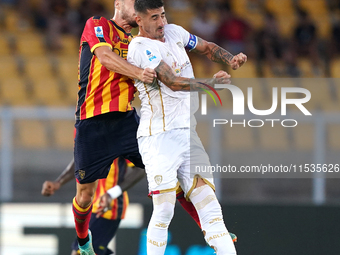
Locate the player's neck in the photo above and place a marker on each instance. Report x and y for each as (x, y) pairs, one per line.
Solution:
(122, 23)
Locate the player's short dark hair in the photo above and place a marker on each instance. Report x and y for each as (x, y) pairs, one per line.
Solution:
(144, 5)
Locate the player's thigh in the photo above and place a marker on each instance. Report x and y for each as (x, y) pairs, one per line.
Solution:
(195, 166)
(92, 154)
(128, 139)
(162, 155)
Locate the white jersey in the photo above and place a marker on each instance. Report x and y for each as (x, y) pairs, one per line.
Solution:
(164, 109)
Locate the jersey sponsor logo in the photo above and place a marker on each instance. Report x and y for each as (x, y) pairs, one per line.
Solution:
(216, 236)
(215, 220)
(155, 243)
(174, 67)
(158, 179)
(150, 55)
(161, 225)
(126, 41)
(99, 31)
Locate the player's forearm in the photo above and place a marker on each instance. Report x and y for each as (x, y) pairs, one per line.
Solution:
(166, 76)
(214, 52)
(117, 64)
(67, 175)
(219, 55)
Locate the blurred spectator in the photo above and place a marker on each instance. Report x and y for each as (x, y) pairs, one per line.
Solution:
(55, 18)
(205, 27)
(335, 40)
(202, 25)
(269, 44)
(86, 9)
(57, 23)
(178, 4)
(304, 44)
(255, 5)
(234, 33)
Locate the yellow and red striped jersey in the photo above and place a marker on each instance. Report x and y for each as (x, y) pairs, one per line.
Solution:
(115, 177)
(101, 90)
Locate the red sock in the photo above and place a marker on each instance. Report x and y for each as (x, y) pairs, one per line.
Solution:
(82, 218)
(188, 206)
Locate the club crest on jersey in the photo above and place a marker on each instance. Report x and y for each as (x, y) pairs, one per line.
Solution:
(81, 174)
(99, 31)
(158, 179)
(179, 44)
(150, 55)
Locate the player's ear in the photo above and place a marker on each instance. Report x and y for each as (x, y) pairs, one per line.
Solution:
(138, 19)
(117, 4)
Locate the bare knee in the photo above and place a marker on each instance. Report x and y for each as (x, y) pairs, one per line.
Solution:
(85, 193)
(199, 182)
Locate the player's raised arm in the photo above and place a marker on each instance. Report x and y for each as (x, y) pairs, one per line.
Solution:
(167, 76)
(218, 54)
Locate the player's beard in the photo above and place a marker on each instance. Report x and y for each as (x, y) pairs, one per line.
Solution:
(130, 20)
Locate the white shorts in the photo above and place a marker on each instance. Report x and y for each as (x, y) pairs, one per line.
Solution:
(170, 158)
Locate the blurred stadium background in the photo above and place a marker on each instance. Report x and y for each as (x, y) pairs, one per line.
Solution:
(294, 40)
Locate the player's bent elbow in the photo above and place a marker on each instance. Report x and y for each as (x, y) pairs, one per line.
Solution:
(104, 59)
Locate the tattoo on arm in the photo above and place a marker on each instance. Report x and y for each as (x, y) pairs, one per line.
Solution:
(167, 76)
(220, 55)
(214, 52)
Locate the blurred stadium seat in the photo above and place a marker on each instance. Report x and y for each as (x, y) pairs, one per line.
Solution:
(313, 7)
(31, 134)
(333, 136)
(8, 67)
(320, 92)
(273, 138)
(202, 132)
(303, 136)
(63, 131)
(11, 19)
(335, 68)
(286, 25)
(181, 17)
(70, 45)
(247, 71)
(323, 25)
(238, 138)
(30, 44)
(38, 67)
(48, 92)
(4, 46)
(280, 8)
(14, 92)
(67, 69)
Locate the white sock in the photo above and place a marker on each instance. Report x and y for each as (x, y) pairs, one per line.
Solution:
(211, 218)
(163, 211)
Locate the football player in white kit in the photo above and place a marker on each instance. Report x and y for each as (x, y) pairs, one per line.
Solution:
(167, 139)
